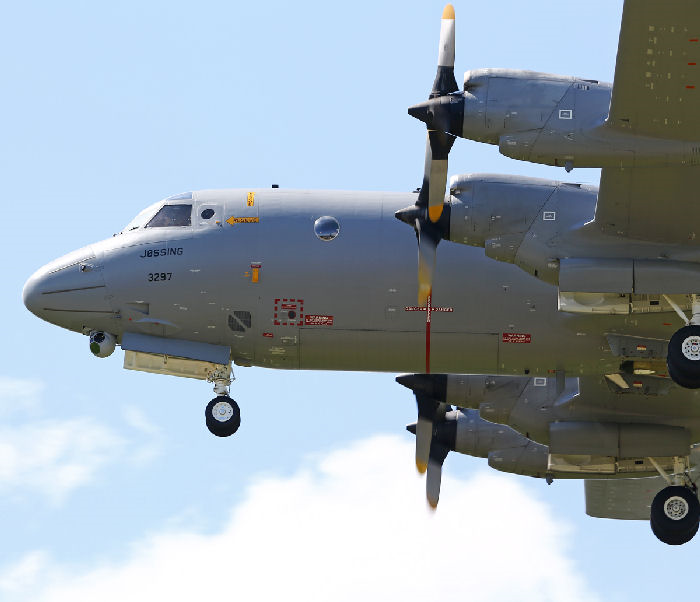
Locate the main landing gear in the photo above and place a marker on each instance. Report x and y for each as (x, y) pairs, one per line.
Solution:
(683, 357)
(222, 414)
(675, 511)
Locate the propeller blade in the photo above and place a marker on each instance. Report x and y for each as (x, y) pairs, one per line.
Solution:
(438, 453)
(431, 198)
(424, 435)
(440, 145)
(445, 79)
(429, 411)
(427, 257)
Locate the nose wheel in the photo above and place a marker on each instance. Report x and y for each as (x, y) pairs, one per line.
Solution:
(223, 416)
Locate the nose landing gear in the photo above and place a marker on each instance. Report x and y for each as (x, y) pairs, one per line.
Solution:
(222, 414)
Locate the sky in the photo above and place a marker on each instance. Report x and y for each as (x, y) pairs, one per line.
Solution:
(111, 487)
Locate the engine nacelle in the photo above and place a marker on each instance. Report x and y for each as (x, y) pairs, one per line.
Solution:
(519, 220)
(102, 344)
(464, 431)
(465, 390)
(475, 436)
(505, 101)
(549, 119)
(530, 459)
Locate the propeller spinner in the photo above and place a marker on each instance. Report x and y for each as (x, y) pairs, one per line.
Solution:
(428, 216)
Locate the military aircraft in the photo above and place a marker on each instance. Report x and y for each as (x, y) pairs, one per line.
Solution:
(570, 345)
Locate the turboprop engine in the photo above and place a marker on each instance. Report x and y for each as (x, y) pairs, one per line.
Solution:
(523, 403)
(465, 432)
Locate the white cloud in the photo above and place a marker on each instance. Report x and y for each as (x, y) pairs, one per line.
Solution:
(26, 572)
(153, 440)
(19, 394)
(54, 457)
(351, 526)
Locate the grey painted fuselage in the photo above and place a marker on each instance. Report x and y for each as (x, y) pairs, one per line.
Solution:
(348, 298)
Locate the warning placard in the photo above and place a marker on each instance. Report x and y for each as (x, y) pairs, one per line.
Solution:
(517, 337)
(318, 320)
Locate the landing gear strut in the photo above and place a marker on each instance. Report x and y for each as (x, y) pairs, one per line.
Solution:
(222, 414)
(675, 511)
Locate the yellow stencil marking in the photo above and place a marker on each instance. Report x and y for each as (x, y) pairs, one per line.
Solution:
(243, 220)
(251, 199)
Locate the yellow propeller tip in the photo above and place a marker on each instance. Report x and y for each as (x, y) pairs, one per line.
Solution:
(449, 12)
(433, 505)
(421, 466)
(435, 212)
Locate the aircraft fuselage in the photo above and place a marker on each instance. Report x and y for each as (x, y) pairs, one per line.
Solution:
(255, 277)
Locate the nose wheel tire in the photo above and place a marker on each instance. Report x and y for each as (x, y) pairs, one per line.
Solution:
(675, 513)
(223, 416)
(683, 359)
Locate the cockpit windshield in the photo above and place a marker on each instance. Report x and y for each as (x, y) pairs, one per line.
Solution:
(142, 218)
(171, 215)
(168, 215)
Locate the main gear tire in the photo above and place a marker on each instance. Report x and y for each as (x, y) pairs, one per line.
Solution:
(683, 358)
(674, 539)
(675, 511)
(682, 380)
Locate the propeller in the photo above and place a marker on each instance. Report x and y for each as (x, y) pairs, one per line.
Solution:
(428, 216)
(435, 433)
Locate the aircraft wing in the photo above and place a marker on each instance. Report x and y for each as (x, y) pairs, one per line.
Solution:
(657, 75)
(656, 204)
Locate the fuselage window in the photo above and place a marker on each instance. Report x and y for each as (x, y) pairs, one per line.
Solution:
(326, 228)
(171, 215)
(207, 214)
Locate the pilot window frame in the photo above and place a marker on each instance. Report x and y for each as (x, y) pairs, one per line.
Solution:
(172, 215)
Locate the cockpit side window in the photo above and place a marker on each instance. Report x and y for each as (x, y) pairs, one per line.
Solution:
(171, 215)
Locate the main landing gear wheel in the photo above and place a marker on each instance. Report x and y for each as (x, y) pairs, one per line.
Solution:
(683, 359)
(223, 416)
(675, 513)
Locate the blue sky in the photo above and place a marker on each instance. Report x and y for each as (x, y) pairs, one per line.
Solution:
(109, 482)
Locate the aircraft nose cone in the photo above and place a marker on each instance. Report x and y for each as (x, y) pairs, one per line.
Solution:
(69, 290)
(31, 293)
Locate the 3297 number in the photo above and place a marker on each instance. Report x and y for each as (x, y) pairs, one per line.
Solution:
(159, 276)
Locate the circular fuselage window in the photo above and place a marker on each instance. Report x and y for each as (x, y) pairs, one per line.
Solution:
(326, 228)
